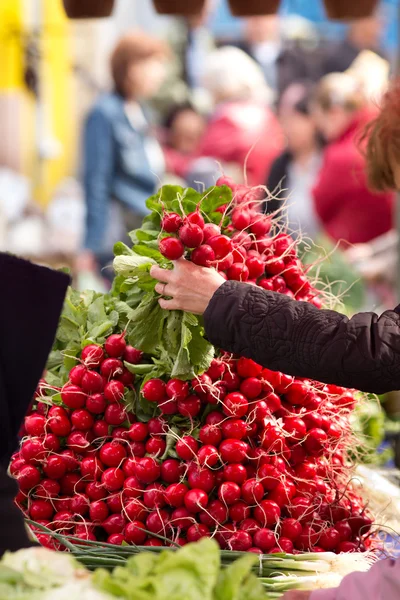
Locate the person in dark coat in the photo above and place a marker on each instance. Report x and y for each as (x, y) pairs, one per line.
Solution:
(31, 302)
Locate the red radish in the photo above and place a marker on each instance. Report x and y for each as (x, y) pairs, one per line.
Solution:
(266, 284)
(41, 509)
(291, 529)
(171, 222)
(113, 479)
(157, 522)
(267, 513)
(191, 235)
(233, 451)
(114, 391)
(195, 218)
(96, 491)
(154, 390)
(98, 511)
(190, 406)
(255, 266)
(112, 454)
(235, 405)
(295, 428)
(134, 510)
(111, 367)
(195, 500)
(147, 470)
(35, 424)
(240, 541)
(241, 218)
(48, 489)
(96, 404)
(91, 468)
(229, 492)
(73, 396)
(76, 374)
(132, 355)
(155, 446)
(175, 389)
(265, 539)
(114, 524)
(252, 491)
(234, 428)
(216, 513)
(186, 447)
(235, 472)
(92, 355)
(171, 248)
(33, 451)
(28, 477)
(132, 487)
(214, 418)
(261, 225)
(100, 429)
(138, 432)
(115, 414)
(80, 505)
(175, 494)
(202, 385)
(196, 532)
(344, 530)
(115, 345)
(92, 383)
(172, 470)
(182, 518)
(228, 181)
(51, 442)
(204, 256)
(251, 387)
(72, 483)
(127, 378)
(134, 533)
(70, 459)
(210, 435)
(239, 511)
(168, 406)
(231, 381)
(202, 479)
(82, 420)
(316, 441)
(154, 496)
(210, 230)
(208, 456)
(329, 539)
(238, 272)
(216, 369)
(117, 539)
(55, 467)
(221, 245)
(248, 368)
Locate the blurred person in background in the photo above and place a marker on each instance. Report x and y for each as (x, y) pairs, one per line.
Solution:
(294, 172)
(243, 130)
(122, 159)
(362, 34)
(282, 60)
(347, 208)
(182, 132)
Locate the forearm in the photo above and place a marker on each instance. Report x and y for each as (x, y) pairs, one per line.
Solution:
(300, 340)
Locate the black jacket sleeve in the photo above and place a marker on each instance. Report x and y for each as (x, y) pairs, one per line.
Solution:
(31, 301)
(298, 339)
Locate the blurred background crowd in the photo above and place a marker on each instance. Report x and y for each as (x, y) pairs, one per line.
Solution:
(96, 115)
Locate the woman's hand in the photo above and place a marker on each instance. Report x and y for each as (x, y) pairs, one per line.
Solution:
(296, 595)
(190, 287)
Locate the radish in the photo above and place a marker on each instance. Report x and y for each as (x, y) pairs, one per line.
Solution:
(135, 533)
(316, 441)
(138, 432)
(265, 539)
(234, 428)
(256, 267)
(115, 414)
(132, 487)
(235, 405)
(41, 509)
(96, 404)
(82, 420)
(155, 446)
(208, 456)
(235, 472)
(228, 181)
(216, 514)
(210, 434)
(195, 500)
(147, 470)
(134, 510)
(267, 513)
(115, 345)
(203, 256)
(221, 245)
(154, 496)
(210, 230)
(112, 454)
(114, 391)
(195, 218)
(47, 489)
(240, 541)
(92, 356)
(201, 478)
(191, 235)
(55, 467)
(251, 388)
(154, 390)
(239, 511)
(252, 491)
(114, 524)
(248, 368)
(117, 539)
(157, 522)
(168, 406)
(171, 248)
(111, 367)
(98, 511)
(92, 383)
(223, 264)
(171, 222)
(260, 225)
(175, 494)
(186, 448)
(172, 470)
(101, 429)
(241, 218)
(113, 479)
(132, 355)
(95, 491)
(229, 492)
(80, 505)
(233, 451)
(190, 406)
(73, 396)
(91, 468)
(35, 424)
(238, 272)
(196, 532)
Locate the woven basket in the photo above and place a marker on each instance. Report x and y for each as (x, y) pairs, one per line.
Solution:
(247, 8)
(179, 7)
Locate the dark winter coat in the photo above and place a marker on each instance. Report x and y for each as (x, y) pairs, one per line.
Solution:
(30, 304)
(298, 339)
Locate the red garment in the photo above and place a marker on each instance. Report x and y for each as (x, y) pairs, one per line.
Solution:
(347, 208)
(245, 133)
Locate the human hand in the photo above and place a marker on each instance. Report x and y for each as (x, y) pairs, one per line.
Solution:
(189, 286)
(296, 595)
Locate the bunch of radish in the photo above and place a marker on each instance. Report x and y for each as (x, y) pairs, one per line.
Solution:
(254, 458)
(243, 250)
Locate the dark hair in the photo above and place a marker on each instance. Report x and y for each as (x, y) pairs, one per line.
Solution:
(175, 111)
(302, 104)
(134, 47)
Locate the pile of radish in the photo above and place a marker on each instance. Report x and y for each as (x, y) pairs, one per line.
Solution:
(254, 458)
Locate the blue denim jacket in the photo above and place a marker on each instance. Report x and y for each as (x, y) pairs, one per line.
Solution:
(116, 167)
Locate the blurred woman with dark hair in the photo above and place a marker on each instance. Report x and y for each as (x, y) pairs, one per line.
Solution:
(294, 172)
(122, 159)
